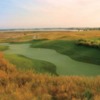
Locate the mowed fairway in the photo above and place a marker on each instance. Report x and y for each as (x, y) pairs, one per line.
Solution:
(64, 64)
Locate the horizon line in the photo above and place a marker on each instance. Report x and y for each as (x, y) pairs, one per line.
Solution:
(48, 28)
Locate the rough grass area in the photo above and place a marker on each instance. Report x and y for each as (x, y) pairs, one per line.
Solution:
(17, 85)
(3, 48)
(70, 48)
(93, 43)
(24, 63)
(19, 39)
(31, 41)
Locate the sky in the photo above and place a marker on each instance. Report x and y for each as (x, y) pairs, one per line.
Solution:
(49, 13)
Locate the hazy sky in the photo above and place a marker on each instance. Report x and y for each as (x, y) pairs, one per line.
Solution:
(49, 13)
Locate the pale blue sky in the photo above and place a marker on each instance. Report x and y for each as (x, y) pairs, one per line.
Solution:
(49, 13)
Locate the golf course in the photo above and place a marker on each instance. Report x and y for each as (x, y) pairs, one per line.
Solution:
(50, 50)
(50, 65)
(63, 56)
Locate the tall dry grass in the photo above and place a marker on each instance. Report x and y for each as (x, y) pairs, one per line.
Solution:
(52, 35)
(16, 85)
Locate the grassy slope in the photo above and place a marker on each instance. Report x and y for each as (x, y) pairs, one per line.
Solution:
(25, 63)
(3, 48)
(80, 53)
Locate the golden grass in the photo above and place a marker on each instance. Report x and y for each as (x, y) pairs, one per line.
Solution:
(70, 35)
(25, 36)
(15, 85)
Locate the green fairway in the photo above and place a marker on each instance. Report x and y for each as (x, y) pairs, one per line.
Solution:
(24, 63)
(70, 48)
(64, 64)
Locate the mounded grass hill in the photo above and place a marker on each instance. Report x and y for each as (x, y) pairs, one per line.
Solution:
(2, 48)
(24, 63)
(72, 49)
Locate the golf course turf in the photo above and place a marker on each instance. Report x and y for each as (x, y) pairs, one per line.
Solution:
(70, 48)
(24, 63)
